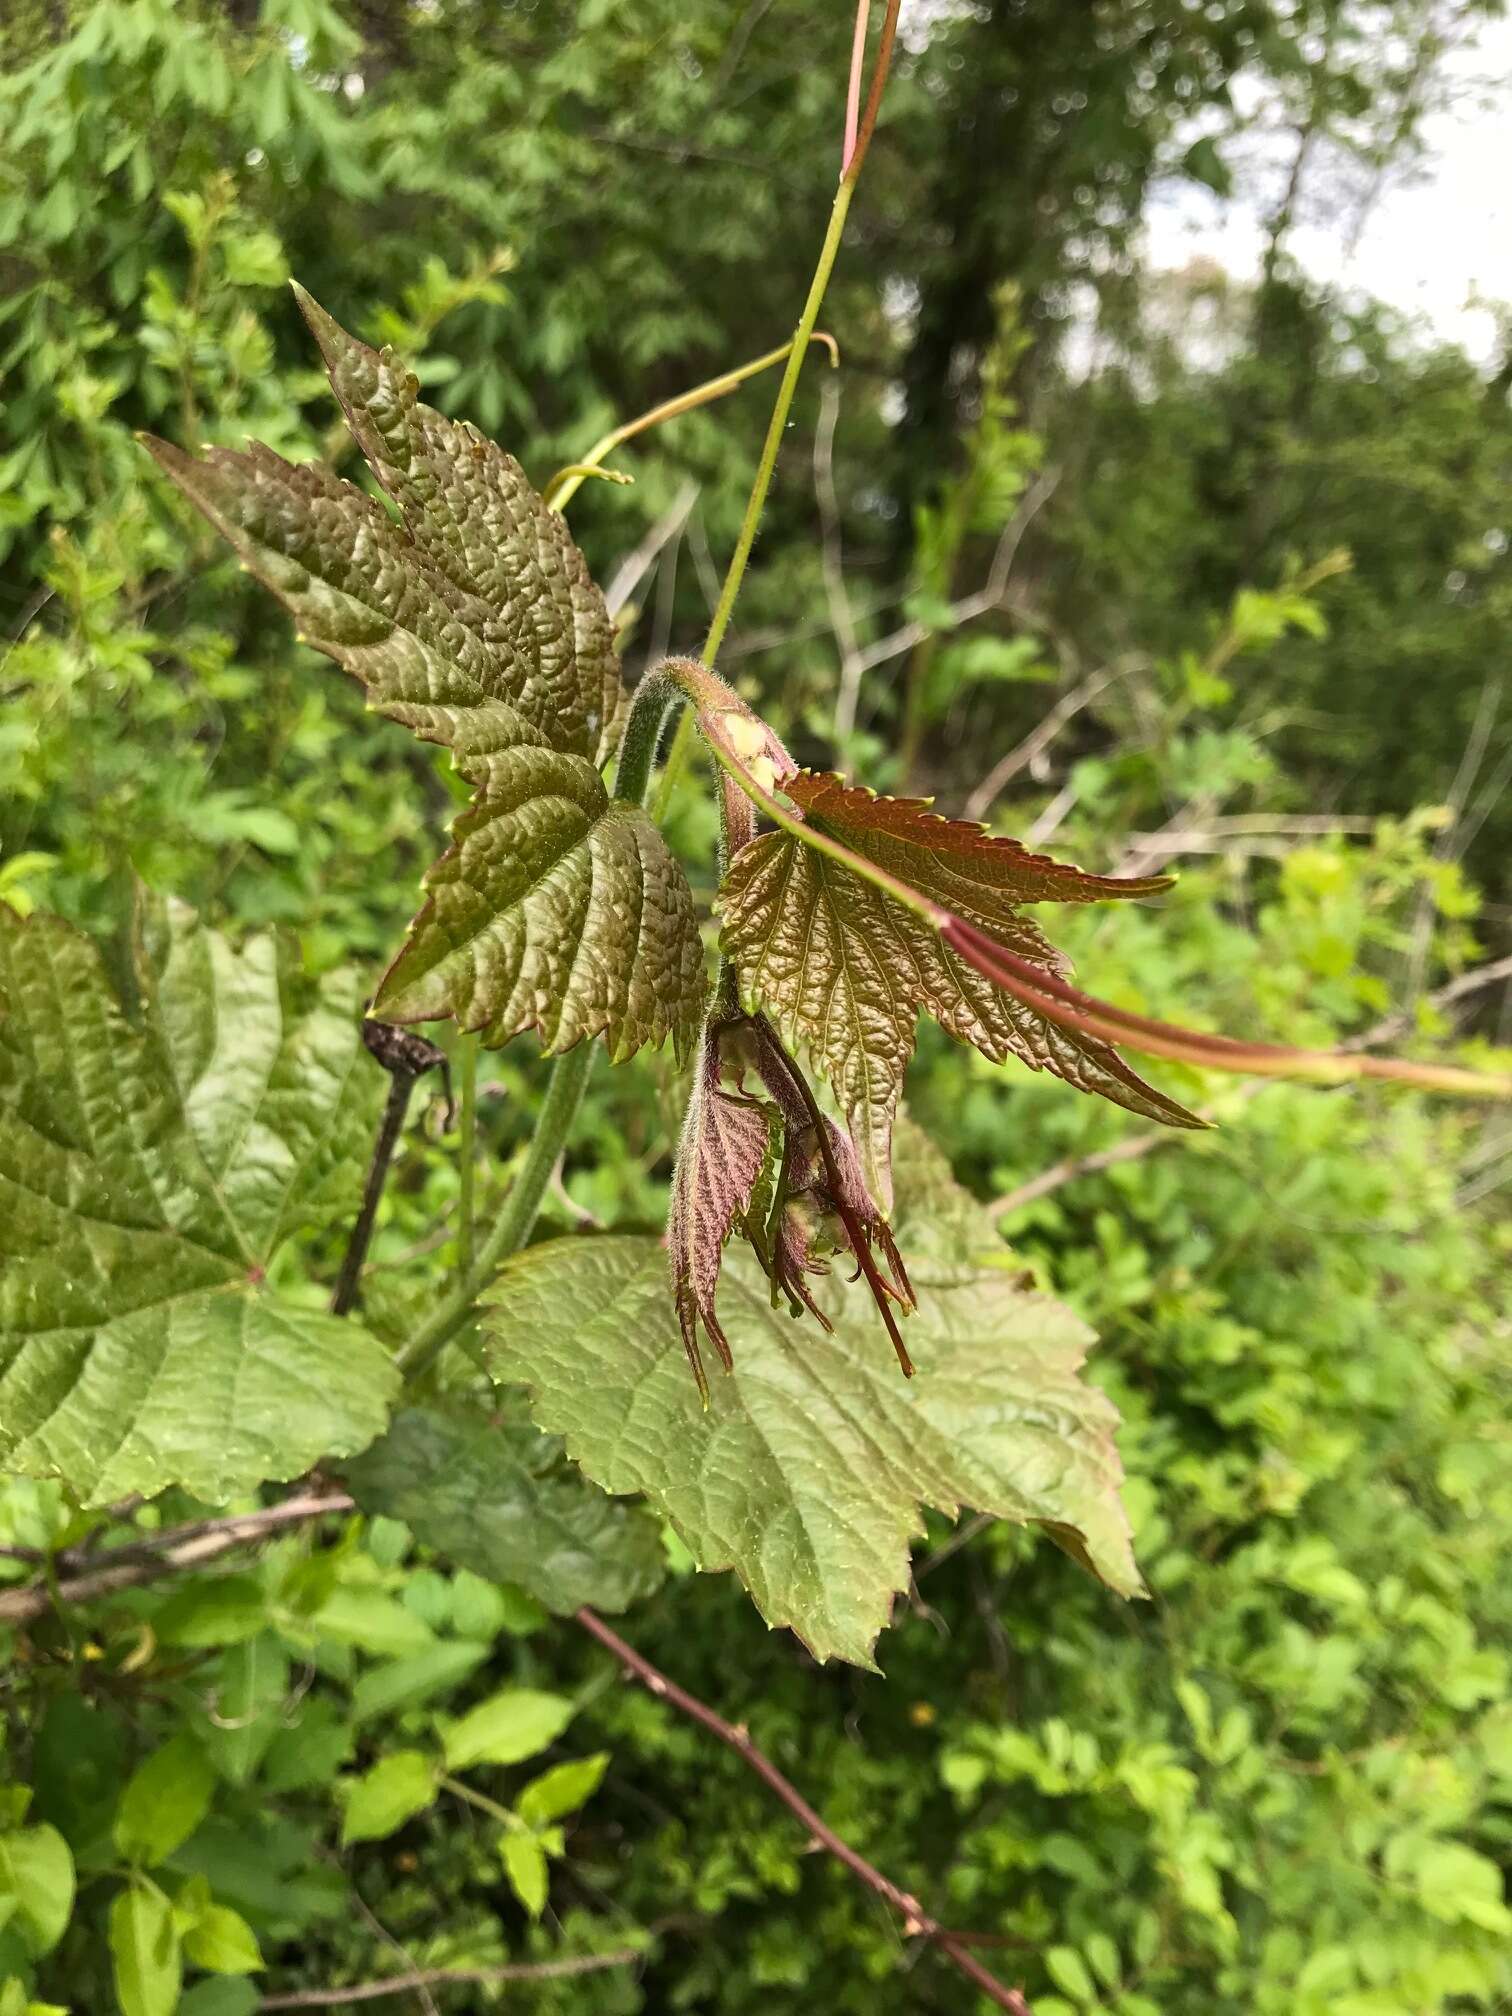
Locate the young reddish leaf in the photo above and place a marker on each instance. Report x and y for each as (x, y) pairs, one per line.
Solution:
(1046, 1021)
(955, 861)
(781, 1170)
(555, 909)
(361, 592)
(846, 969)
(727, 1140)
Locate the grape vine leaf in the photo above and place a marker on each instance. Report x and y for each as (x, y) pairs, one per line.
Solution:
(473, 621)
(845, 969)
(150, 1167)
(808, 1472)
(499, 1498)
(471, 510)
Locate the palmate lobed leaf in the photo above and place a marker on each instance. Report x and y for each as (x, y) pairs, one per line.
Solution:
(148, 1172)
(809, 1469)
(846, 970)
(472, 620)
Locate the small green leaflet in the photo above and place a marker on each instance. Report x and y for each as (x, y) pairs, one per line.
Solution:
(474, 622)
(498, 1497)
(846, 970)
(149, 1169)
(810, 1468)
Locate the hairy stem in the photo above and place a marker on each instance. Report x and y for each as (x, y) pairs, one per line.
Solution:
(637, 753)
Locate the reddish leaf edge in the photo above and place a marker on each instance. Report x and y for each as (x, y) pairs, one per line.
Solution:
(747, 751)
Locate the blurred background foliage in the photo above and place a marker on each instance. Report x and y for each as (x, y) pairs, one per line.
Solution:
(1162, 567)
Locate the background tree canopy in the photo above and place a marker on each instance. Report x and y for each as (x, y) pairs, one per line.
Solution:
(1181, 569)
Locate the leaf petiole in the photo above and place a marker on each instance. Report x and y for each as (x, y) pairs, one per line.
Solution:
(564, 485)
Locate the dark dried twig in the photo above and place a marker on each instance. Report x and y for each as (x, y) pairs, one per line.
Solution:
(406, 1057)
(917, 1923)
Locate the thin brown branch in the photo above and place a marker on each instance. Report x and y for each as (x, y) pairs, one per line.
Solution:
(1039, 739)
(991, 595)
(452, 1977)
(917, 1923)
(187, 1547)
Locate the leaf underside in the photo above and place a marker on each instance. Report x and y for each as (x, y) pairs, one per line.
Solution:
(472, 620)
(497, 1497)
(148, 1173)
(809, 1470)
(846, 970)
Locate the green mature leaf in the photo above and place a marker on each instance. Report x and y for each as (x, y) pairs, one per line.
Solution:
(225, 1612)
(500, 1499)
(562, 1789)
(808, 1472)
(398, 1787)
(311, 1750)
(404, 1683)
(148, 1172)
(475, 623)
(163, 1801)
(230, 1995)
(246, 1709)
(524, 1862)
(373, 1622)
(222, 1942)
(145, 1951)
(37, 1882)
(515, 1723)
(846, 970)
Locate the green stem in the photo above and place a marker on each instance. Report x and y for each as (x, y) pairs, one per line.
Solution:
(484, 1804)
(637, 753)
(564, 486)
(682, 741)
(467, 1063)
(672, 769)
(514, 1224)
(756, 502)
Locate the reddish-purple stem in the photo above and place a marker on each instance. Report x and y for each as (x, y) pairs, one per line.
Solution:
(917, 1923)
